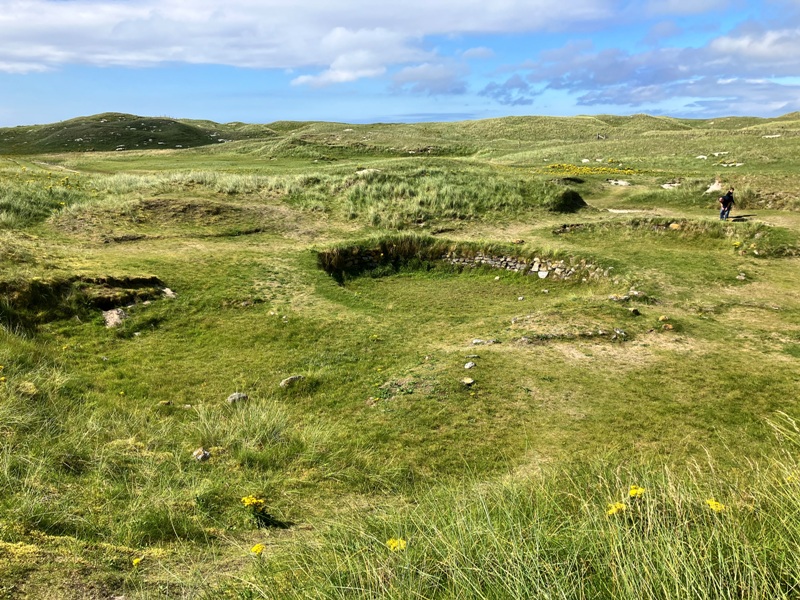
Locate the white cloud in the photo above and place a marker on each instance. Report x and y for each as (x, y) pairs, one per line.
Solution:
(479, 52)
(322, 34)
(432, 78)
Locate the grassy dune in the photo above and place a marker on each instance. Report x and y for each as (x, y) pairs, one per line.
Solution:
(626, 432)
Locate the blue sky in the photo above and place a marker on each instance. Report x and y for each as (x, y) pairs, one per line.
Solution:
(359, 61)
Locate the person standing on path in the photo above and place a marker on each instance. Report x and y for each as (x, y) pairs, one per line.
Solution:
(726, 204)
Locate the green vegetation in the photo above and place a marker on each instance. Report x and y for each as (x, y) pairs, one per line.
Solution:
(624, 429)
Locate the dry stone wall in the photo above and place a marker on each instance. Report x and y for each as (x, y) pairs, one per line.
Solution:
(542, 267)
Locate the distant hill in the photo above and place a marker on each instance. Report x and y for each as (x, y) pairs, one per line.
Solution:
(326, 140)
(118, 131)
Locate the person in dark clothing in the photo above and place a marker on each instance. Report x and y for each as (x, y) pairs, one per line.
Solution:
(726, 204)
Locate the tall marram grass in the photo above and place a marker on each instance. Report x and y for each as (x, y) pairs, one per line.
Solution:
(575, 531)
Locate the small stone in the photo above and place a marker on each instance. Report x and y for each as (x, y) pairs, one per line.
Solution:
(168, 293)
(521, 298)
(663, 318)
(468, 381)
(741, 277)
(634, 311)
(545, 291)
(497, 278)
(675, 226)
(472, 356)
(543, 274)
(667, 327)
(201, 455)
(470, 365)
(165, 403)
(478, 342)
(289, 381)
(236, 397)
(114, 317)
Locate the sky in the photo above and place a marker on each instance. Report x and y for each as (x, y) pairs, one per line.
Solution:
(366, 61)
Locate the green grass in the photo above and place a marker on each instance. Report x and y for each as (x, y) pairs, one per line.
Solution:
(674, 368)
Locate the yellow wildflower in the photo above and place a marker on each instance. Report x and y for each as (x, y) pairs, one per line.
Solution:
(254, 502)
(616, 507)
(137, 560)
(396, 544)
(2, 379)
(257, 549)
(714, 505)
(636, 491)
(792, 478)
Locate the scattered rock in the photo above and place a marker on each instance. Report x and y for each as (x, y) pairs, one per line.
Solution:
(667, 327)
(468, 381)
(634, 311)
(741, 277)
(518, 242)
(543, 274)
(675, 226)
(480, 342)
(236, 397)
(497, 278)
(289, 381)
(701, 157)
(617, 298)
(621, 182)
(165, 403)
(168, 293)
(663, 318)
(470, 365)
(521, 298)
(114, 317)
(201, 454)
(472, 356)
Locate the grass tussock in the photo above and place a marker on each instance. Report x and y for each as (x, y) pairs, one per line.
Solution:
(588, 531)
